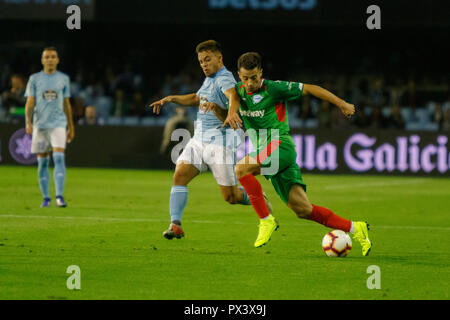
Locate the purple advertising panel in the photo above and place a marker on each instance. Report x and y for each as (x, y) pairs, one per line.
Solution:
(384, 152)
(387, 152)
(20, 147)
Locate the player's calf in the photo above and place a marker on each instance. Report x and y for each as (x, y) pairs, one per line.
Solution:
(231, 199)
(231, 194)
(303, 211)
(299, 203)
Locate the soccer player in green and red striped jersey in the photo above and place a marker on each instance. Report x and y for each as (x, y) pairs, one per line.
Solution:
(264, 115)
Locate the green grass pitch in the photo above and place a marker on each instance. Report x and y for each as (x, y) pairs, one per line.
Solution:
(112, 229)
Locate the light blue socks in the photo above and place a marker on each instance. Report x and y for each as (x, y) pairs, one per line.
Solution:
(178, 200)
(59, 173)
(44, 175)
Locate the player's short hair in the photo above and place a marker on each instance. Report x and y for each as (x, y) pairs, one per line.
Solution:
(50, 49)
(209, 45)
(249, 61)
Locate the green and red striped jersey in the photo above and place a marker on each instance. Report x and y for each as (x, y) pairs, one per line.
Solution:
(267, 109)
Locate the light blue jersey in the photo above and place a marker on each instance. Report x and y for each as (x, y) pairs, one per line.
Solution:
(49, 91)
(208, 128)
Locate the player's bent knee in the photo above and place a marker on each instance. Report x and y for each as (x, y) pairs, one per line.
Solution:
(239, 171)
(180, 178)
(242, 170)
(62, 150)
(43, 155)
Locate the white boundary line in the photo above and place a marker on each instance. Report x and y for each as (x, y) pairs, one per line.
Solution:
(202, 221)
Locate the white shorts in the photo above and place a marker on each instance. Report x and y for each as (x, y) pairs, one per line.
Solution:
(219, 159)
(43, 140)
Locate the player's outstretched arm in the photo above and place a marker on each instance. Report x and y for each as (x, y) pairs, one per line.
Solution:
(233, 118)
(347, 109)
(191, 100)
(29, 107)
(70, 126)
(220, 113)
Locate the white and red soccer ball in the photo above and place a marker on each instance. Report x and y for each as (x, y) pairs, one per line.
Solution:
(336, 243)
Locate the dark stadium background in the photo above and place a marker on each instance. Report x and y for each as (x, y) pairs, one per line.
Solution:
(388, 166)
(146, 49)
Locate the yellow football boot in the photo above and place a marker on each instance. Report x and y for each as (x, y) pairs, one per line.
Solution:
(362, 235)
(266, 228)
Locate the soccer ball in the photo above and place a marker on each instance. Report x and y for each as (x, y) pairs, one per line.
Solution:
(336, 243)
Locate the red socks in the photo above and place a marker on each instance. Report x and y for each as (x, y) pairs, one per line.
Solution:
(255, 194)
(329, 219)
(321, 215)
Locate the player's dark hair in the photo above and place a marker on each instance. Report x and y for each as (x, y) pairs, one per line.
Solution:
(209, 45)
(50, 49)
(249, 61)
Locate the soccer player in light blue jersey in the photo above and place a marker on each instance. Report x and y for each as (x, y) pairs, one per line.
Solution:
(212, 145)
(48, 114)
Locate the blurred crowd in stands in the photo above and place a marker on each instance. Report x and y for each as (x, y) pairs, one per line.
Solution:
(121, 97)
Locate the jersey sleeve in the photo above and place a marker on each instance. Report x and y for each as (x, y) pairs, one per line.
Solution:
(285, 90)
(66, 89)
(223, 83)
(226, 83)
(30, 91)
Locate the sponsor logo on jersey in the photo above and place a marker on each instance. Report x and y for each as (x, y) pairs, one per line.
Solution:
(203, 100)
(257, 98)
(252, 114)
(50, 95)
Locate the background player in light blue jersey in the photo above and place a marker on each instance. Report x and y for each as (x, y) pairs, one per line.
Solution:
(48, 113)
(212, 145)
